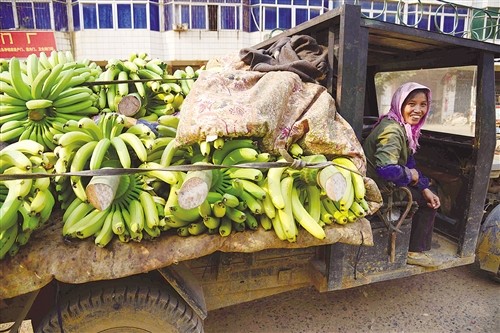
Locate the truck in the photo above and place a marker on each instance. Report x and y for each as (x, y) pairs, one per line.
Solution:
(165, 287)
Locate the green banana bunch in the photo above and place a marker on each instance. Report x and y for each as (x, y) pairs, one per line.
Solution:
(132, 215)
(42, 93)
(32, 198)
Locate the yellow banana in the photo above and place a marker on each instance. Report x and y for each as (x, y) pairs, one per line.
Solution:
(274, 187)
(122, 151)
(28, 147)
(15, 158)
(105, 235)
(286, 214)
(304, 218)
(38, 202)
(278, 228)
(240, 155)
(136, 144)
(35, 104)
(150, 211)
(137, 217)
(99, 153)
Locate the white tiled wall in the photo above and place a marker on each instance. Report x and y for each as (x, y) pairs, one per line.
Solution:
(190, 45)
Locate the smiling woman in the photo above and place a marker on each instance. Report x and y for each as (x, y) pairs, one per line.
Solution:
(390, 149)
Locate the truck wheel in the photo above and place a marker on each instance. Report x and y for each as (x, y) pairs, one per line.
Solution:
(129, 305)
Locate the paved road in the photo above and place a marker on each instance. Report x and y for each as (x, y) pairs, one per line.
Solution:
(461, 299)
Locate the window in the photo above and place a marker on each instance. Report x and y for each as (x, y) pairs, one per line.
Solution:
(140, 16)
(283, 14)
(60, 16)
(75, 10)
(199, 14)
(198, 17)
(154, 16)
(89, 16)
(453, 105)
(29, 15)
(100, 14)
(6, 16)
(124, 16)
(105, 16)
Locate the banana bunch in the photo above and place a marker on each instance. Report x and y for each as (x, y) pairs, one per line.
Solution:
(159, 92)
(39, 95)
(134, 214)
(31, 197)
(91, 145)
(136, 68)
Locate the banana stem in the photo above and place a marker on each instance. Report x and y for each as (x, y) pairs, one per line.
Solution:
(101, 191)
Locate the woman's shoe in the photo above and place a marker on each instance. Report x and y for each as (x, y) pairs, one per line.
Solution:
(421, 259)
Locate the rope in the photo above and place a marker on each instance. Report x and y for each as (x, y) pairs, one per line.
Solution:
(298, 164)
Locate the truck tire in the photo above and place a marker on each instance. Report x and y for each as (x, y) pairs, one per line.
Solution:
(129, 305)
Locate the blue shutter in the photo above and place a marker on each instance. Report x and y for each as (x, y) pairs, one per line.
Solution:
(301, 16)
(168, 11)
(154, 17)
(140, 17)
(89, 16)
(25, 15)
(6, 16)
(124, 16)
(254, 19)
(76, 17)
(227, 17)
(105, 16)
(198, 17)
(42, 15)
(184, 14)
(60, 17)
(285, 18)
(270, 18)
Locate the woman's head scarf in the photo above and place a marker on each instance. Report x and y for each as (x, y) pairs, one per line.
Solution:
(412, 132)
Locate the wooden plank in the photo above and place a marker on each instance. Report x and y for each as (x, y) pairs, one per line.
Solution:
(425, 37)
(428, 60)
(483, 148)
(351, 73)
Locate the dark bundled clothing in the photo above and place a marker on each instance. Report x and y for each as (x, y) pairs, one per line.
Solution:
(299, 54)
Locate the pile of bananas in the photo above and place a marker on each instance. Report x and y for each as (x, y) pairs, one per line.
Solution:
(49, 119)
(163, 93)
(26, 204)
(277, 198)
(283, 199)
(39, 95)
(91, 145)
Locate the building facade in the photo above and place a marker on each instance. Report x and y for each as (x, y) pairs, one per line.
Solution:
(193, 31)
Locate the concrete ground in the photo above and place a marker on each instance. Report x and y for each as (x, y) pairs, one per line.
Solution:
(460, 299)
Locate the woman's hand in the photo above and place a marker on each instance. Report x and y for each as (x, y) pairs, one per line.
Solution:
(431, 198)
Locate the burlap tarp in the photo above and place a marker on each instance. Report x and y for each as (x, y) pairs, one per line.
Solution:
(275, 108)
(48, 256)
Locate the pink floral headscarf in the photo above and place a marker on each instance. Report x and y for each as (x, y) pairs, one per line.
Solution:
(412, 132)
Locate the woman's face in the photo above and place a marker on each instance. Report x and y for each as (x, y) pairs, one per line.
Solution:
(415, 108)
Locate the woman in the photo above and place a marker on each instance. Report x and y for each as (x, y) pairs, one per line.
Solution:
(390, 149)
